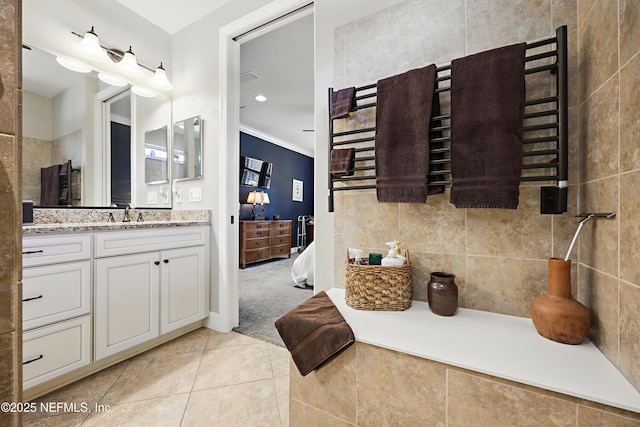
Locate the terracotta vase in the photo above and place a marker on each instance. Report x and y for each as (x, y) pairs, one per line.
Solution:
(556, 315)
(442, 293)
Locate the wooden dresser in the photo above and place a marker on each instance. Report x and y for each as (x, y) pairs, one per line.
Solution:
(263, 240)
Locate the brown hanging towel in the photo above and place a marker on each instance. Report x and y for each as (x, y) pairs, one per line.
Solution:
(403, 113)
(343, 102)
(487, 108)
(50, 186)
(342, 161)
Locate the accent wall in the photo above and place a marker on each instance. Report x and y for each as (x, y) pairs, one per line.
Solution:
(287, 165)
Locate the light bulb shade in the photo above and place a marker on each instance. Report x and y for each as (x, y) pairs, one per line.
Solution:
(129, 64)
(160, 80)
(265, 198)
(73, 65)
(90, 47)
(254, 197)
(143, 91)
(111, 79)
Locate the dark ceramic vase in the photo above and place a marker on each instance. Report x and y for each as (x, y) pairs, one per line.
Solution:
(556, 315)
(442, 293)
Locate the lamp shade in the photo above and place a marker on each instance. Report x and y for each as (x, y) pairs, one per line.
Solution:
(143, 91)
(111, 79)
(265, 198)
(90, 47)
(160, 80)
(129, 64)
(254, 197)
(73, 65)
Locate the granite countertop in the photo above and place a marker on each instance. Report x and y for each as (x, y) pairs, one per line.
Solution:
(35, 229)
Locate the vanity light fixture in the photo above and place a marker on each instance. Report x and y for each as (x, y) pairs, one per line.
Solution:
(160, 79)
(73, 65)
(125, 66)
(129, 64)
(111, 79)
(90, 47)
(143, 91)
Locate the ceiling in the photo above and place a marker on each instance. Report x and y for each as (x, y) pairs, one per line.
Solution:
(171, 15)
(281, 59)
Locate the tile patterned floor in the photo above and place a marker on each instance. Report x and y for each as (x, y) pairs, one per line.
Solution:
(204, 378)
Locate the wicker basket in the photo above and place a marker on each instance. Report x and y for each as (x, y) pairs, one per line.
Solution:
(376, 287)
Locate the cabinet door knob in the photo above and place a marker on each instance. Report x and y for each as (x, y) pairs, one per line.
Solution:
(166, 261)
(157, 262)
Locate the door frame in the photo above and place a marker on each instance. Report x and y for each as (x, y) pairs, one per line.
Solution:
(229, 152)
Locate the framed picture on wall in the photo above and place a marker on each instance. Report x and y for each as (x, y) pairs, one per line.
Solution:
(297, 191)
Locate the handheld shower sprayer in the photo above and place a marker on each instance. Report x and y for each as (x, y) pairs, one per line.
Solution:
(586, 217)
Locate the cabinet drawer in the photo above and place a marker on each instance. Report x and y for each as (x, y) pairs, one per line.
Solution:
(257, 255)
(276, 231)
(255, 225)
(280, 240)
(54, 350)
(130, 242)
(55, 292)
(43, 250)
(280, 250)
(254, 234)
(257, 243)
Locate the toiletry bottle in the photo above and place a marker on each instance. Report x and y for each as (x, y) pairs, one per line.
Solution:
(393, 257)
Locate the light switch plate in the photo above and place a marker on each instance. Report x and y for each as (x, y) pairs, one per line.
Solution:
(195, 194)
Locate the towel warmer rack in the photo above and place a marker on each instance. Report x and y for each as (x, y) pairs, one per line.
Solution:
(542, 152)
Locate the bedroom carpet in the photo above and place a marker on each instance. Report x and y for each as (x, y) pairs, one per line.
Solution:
(266, 292)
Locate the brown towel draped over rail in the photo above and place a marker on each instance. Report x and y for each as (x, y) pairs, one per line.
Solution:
(487, 108)
(344, 101)
(404, 104)
(342, 161)
(314, 332)
(50, 186)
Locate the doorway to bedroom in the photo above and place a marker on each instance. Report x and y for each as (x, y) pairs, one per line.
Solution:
(276, 159)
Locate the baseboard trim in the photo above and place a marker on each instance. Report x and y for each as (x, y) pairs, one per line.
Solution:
(215, 322)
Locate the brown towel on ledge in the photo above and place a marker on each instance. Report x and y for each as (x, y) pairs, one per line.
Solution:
(487, 108)
(343, 102)
(314, 332)
(342, 161)
(403, 113)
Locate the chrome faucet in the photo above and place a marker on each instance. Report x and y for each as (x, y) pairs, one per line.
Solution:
(127, 209)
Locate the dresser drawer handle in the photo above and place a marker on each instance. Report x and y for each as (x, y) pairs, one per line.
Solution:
(33, 360)
(33, 252)
(32, 298)
(258, 243)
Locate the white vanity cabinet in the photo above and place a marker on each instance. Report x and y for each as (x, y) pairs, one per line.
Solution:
(147, 283)
(56, 306)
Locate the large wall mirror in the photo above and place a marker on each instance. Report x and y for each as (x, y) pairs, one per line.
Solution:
(187, 149)
(72, 120)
